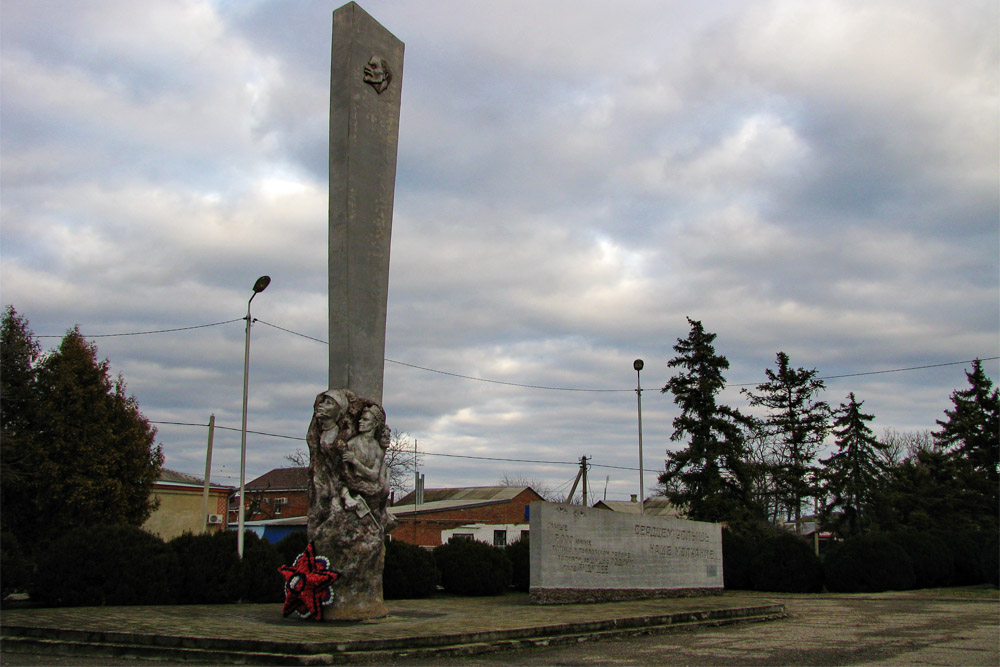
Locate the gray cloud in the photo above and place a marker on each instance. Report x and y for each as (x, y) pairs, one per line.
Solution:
(818, 178)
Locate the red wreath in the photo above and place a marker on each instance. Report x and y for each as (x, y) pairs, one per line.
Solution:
(307, 584)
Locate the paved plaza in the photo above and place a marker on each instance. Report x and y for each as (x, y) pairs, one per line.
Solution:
(938, 627)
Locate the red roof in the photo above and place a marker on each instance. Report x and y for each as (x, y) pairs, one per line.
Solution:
(281, 479)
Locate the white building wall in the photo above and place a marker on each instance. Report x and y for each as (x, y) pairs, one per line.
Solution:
(486, 532)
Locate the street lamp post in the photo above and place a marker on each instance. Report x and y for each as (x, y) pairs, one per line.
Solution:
(637, 365)
(258, 287)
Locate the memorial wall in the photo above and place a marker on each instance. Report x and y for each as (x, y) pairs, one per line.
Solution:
(582, 554)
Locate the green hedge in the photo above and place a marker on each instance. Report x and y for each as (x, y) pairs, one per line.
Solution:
(519, 554)
(932, 560)
(105, 565)
(410, 572)
(17, 566)
(291, 545)
(868, 563)
(786, 563)
(737, 560)
(469, 567)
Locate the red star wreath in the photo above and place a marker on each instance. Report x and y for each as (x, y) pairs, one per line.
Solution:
(307, 584)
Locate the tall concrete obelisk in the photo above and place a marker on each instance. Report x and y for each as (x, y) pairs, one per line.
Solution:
(365, 84)
(348, 436)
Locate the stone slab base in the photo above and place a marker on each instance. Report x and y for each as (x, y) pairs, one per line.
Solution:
(578, 595)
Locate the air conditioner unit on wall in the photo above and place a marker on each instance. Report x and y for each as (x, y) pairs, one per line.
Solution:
(215, 518)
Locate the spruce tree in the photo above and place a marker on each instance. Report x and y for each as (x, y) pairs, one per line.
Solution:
(852, 474)
(19, 451)
(708, 477)
(76, 449)
(972, 430)
(971, 435)
(796, 425)
(101, 458)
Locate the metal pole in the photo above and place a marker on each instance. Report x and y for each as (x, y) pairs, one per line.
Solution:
(208, 472)
(243, 437)
(637, 365)
(258, 287)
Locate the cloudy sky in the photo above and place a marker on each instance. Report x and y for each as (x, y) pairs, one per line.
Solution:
(575, 178)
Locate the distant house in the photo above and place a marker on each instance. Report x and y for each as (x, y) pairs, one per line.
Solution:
(497, 534)
(656, 506)
(281, 493)
(446, 509)
(180, 509)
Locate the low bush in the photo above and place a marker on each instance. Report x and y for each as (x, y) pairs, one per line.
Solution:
(105, 565)
(969, 550)
(785, 563)
(291, 545)
(737, 560)
(17, 566)
(410, 572)
(868, 563)
(518, 552)
(209, 568)
(469, 567)
(258, 577)
(933, 564)
(212, 572)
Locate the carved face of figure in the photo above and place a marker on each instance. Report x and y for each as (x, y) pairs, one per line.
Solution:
(369, 420)
(377, 74)
(325, 406)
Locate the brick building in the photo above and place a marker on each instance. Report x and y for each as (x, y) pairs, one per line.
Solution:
(279, 494)
(443, 509)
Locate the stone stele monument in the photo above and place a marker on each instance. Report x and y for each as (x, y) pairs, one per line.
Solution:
(348, 437)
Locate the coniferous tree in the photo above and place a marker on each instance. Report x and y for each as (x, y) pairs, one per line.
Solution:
(971, 434)
(708, 477)
(796, 424)
(101, 458)
(19, 353)
(77, 451)
(972, 430)
(853, 473)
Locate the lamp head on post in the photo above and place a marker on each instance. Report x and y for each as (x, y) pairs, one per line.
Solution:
(637, 365)
(261, 284)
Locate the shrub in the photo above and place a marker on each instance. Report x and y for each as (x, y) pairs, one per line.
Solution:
(105, 565)
(737, 560)
(868, 563)
(469, 567)
(991, 558)
(209, 568)
(933, 564)
(410, 572)
(519, 554)
(969, 552)
(258, 576)
(291, 545)
(786, 563)
(17, 566)
(212, 572)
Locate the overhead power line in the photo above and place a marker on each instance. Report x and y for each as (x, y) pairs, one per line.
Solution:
(146, 333)
(503, 382)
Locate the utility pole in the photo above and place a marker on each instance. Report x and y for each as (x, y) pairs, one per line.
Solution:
(208, 474)
(581, 474)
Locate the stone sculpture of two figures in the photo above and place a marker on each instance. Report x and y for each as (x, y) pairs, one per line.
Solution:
(348, 492)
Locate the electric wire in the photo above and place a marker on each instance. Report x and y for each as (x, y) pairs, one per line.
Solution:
(503, 382)
(146, 333)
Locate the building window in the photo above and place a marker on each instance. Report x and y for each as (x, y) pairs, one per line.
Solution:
(499, 538)
(462, 536)
(524, 534)
(279, 504)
